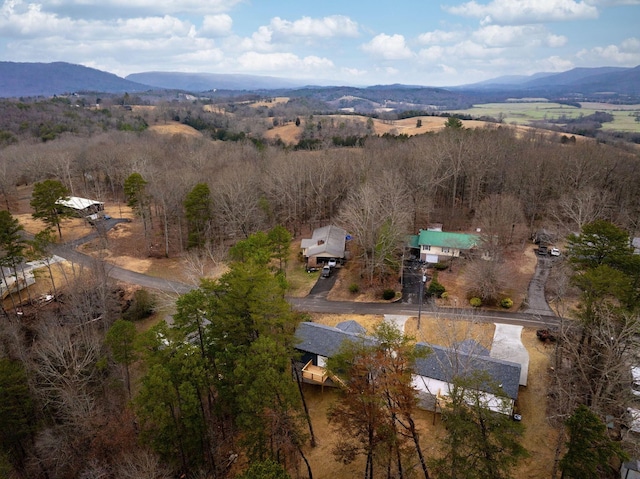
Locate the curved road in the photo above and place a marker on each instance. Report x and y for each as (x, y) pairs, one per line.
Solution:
(316, 301)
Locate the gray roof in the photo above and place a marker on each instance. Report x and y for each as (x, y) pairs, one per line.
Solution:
(328, 241)
(470, 346)
(323, 340)
(442, 364)
(352, 327)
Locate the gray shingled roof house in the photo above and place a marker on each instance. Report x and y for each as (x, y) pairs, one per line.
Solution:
(437, 369)
(433, 374)
(325, 243)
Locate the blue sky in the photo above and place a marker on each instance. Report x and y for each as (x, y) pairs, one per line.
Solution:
(353, 42)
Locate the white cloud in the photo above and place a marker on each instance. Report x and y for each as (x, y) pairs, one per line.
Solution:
(20, 19)
(152, 27)
(388, 47)
(437, 37)
(625, 54)
(163, 6)
(612, 3)
(517, 36)
(259, 40)
(550, 64)
(432, 54)
(216, 25)
(525, 11)
(283, 62)
(327, 27)
(353, 72)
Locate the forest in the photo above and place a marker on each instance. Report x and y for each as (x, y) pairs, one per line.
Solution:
(87, 392)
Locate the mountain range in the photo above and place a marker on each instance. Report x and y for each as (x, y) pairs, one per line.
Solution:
(48, 79)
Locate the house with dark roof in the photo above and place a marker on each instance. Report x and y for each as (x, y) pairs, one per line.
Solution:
(326, 243)
(432, 245)
(317, 343)
(434, 372)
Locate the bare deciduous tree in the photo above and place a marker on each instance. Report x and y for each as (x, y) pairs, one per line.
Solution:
(377, 214)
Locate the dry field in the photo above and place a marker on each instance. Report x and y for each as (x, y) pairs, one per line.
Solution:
(290, 133)
(175, 128)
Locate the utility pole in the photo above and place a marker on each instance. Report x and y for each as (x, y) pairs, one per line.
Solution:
(422, 283)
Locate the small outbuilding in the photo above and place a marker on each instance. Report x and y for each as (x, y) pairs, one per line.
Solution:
(326, 243)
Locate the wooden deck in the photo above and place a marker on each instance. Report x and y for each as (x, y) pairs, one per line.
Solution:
(314, 374)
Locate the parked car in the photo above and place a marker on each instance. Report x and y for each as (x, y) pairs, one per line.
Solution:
(332, 263)
(542, 250)
(326, 272)
(554, 252)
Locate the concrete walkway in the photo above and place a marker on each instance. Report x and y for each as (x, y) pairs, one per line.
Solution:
(507, 345)
(398, 320)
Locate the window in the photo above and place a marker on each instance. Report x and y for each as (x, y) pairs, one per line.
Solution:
(445, 250)
(426, 247)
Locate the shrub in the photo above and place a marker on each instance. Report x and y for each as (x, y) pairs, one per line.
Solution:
(441, 266)
(354, 288)
(444, 295)
(141, 306)
(475, 302)
(388, 294)
(506, 303)
(436, 289)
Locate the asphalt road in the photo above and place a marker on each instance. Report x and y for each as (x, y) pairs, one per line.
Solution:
(316, 301)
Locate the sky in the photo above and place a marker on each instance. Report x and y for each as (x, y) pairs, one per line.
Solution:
(338, 42)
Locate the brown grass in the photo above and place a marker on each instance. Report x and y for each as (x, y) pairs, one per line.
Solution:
(175, 128)
(290, 133)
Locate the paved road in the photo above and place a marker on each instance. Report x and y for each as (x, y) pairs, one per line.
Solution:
(316, 301)
(121, 274)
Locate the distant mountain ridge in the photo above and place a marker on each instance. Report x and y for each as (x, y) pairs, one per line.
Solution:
(47, 79)
(200, 82)
(619, 80)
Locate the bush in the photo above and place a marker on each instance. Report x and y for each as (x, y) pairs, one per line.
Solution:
(388, 294)
(475, 302)
(441, 266)
(354, 288)
(436, 289)
(141, 306)
(444, 295)
(506, 303)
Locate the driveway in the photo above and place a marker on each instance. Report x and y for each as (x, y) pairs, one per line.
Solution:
(536, 300)
(323, 285)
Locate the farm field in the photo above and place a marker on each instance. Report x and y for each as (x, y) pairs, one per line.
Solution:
(523, 113)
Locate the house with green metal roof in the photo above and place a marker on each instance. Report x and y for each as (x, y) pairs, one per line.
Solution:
(432, 245)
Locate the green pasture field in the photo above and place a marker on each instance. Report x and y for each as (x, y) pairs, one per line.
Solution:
(523, 113)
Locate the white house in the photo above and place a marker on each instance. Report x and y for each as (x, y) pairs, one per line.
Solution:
(433, 245)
